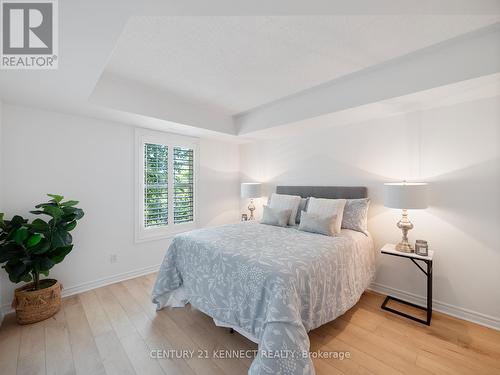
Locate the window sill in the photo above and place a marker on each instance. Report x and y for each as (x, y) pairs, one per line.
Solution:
(165, 234)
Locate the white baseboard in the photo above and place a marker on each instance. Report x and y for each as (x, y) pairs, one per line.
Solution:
(446, 308)
(458, 312)
(66, 292)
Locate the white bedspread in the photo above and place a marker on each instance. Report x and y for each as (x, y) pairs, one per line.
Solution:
(271, 284)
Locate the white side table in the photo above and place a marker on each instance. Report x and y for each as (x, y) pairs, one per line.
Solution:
(390, 249)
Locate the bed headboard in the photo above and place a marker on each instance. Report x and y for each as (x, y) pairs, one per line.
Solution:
(330, 192)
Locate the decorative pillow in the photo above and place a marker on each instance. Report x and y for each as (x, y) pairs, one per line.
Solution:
(328, 208)
(317, 224)
(302, 207)
(281, 202)
(274, 217)
(356, 215)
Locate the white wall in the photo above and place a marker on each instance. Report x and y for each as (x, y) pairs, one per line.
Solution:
(454, 148)
(93, 161)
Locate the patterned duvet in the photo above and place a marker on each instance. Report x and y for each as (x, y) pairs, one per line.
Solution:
(271, 284)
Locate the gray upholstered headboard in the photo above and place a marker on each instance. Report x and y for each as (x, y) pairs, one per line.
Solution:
(330, 192)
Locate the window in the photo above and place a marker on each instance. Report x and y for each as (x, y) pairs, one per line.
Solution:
(166, 189)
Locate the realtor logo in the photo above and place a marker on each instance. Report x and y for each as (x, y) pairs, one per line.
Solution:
(29, 34)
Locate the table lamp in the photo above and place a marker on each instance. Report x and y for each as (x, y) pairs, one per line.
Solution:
(251, 190)
(406, 196)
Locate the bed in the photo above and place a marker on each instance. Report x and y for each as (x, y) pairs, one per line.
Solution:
(271, 284)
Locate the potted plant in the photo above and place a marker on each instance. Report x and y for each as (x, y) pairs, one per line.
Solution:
(28, 250)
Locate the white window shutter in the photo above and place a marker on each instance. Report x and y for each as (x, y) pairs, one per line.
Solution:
(155, 185)
(183, 184)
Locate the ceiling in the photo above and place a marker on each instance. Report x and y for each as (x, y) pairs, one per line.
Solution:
(461, 92)
(235, 64)
(186, 67)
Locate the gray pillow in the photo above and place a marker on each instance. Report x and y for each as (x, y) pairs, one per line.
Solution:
(356, 215)
(302, 207)
(317, 224)
(273, 217)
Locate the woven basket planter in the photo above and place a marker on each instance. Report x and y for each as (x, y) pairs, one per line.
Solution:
(36, 305)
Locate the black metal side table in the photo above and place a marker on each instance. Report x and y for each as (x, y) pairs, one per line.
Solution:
(391, 250)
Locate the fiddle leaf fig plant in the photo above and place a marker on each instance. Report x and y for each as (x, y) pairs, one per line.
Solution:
(30, 249)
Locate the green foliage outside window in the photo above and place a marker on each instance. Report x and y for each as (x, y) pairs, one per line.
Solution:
(156, 181)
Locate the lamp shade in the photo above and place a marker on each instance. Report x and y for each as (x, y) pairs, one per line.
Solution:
(251, 190)
(406, 195)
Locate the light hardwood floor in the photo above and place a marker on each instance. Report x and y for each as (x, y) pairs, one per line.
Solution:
(111, 330)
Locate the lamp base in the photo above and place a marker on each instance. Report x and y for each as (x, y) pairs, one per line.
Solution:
(251, 208)
(405, 247)
(405, 225)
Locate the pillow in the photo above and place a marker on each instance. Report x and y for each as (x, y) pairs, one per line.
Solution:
(328, 208)
(302, 207)
(317, 224)
(281, 202)
(273, 217)
(356, 215)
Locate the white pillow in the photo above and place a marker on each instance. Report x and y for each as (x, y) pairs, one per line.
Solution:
(327, 208)
(273, 217)
(282, 202)
(316, 224)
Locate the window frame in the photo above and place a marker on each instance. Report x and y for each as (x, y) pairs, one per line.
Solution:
(143, 136)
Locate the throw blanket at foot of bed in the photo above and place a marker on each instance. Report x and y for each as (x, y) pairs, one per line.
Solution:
(271, 284)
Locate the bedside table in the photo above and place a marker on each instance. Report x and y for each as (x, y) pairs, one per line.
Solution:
(390, 249)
